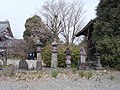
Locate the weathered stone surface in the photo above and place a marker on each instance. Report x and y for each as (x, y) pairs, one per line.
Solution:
(98, 63)
(54, 60)
(39, 57)
(23, 65)
(68, 61)
(39, 61)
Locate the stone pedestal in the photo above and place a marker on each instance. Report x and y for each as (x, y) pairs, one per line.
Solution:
(54, 61)
(39, 61)
(68, 65)
(68, 61)
(39, 57)
(83, 66)
(98, 63)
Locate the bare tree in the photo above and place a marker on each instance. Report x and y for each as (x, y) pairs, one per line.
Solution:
(63, 18)
(51, 12)
(18, 48)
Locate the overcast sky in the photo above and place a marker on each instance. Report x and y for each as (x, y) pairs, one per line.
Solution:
(17, 11)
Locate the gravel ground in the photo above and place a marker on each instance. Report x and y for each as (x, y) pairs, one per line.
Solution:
(101, 82)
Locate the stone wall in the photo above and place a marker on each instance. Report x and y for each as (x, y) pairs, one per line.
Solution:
(31, 63)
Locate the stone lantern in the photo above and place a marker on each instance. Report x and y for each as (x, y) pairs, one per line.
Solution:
(54, 50)
(98, 63)
(39, 57)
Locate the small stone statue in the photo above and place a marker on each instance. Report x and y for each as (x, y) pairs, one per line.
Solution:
(82, 55)
(82, 61)
(68, 57)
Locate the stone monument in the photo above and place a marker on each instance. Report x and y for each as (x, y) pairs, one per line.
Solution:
(39, 57)
(23, 64)
(98, 63)
(82, 61)
(54, 50)
(68, 58)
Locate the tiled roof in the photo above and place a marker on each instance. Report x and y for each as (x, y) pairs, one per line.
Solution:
(4, 25)
(6, 39)
(10, 42)
(6, 43)
(84, 30)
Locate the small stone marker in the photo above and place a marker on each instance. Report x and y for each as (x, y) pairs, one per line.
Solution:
(23, 64)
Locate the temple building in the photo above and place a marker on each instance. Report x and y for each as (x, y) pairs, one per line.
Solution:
(87, 32)
(6, 35)
(7, 40)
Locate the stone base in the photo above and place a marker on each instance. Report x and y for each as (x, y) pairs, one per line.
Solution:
(68, 62)
(83, 66)
(68, 65)
(99, 68)
(39, 65)
(54, 61)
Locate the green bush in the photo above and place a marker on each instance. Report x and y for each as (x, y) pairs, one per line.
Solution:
(61, 59)
(46, 55)
(54, 73)
(75, 57)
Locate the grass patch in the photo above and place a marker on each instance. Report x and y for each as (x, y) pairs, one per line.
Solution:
(112, 77)
(87, 75)
(54, 73)
(81, 74)
(74, 70)
(8, 71)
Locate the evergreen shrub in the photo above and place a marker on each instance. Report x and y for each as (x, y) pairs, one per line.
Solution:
(46, 55)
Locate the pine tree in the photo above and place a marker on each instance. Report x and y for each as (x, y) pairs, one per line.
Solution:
(35, 27)
(107, 32)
